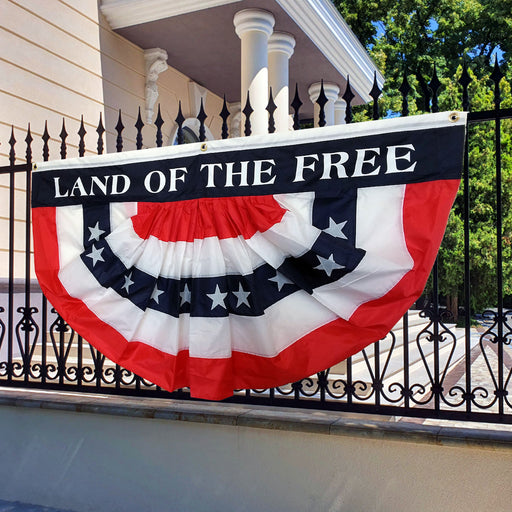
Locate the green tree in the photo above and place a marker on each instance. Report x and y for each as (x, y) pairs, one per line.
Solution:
(412, 37)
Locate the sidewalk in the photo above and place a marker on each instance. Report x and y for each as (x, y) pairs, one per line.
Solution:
(16, 506)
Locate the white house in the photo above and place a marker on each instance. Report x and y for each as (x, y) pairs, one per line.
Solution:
(74, 59)
(68, 58)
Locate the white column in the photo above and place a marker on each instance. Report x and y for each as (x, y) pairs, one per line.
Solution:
(340, 111)
(280, 49)
(331, 92)
(254, 27)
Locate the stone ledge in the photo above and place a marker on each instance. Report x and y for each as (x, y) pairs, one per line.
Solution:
(274, 418)
(18, 285)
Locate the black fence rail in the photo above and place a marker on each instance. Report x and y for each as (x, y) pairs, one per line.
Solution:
(427, 366)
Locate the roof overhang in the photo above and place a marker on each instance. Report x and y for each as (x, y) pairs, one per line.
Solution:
(201, 42)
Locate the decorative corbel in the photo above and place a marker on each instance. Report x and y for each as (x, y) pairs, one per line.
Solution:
(156, 63)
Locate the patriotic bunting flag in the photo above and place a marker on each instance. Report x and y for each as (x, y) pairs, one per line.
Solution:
(250, 262)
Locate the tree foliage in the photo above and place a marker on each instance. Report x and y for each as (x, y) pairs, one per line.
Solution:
(412, 37)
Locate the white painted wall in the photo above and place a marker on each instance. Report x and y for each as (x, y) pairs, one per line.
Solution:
(93, 462)
(60, 59)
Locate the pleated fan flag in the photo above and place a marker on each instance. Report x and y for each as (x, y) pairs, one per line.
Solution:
(249, 262)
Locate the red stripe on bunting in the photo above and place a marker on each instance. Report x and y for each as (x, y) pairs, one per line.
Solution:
(196, 219)
(426, 209)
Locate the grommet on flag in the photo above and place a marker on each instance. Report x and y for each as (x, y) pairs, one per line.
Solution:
(454, 117)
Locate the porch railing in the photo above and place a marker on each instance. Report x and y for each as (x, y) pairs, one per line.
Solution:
(426, 367)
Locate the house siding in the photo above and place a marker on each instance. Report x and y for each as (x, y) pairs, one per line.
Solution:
(61, 60)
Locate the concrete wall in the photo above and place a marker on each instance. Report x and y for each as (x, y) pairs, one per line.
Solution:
(97, 462)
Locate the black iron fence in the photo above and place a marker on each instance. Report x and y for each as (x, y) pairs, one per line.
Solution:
(427, 366)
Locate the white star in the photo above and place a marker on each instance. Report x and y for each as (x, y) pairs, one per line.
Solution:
(156, 294)
(96, 232)
(241, 296)
(328, 265)
(185, 295)
(336, 230)
(280, 280)
(217, 298)
(127, 282)
(95, 255)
